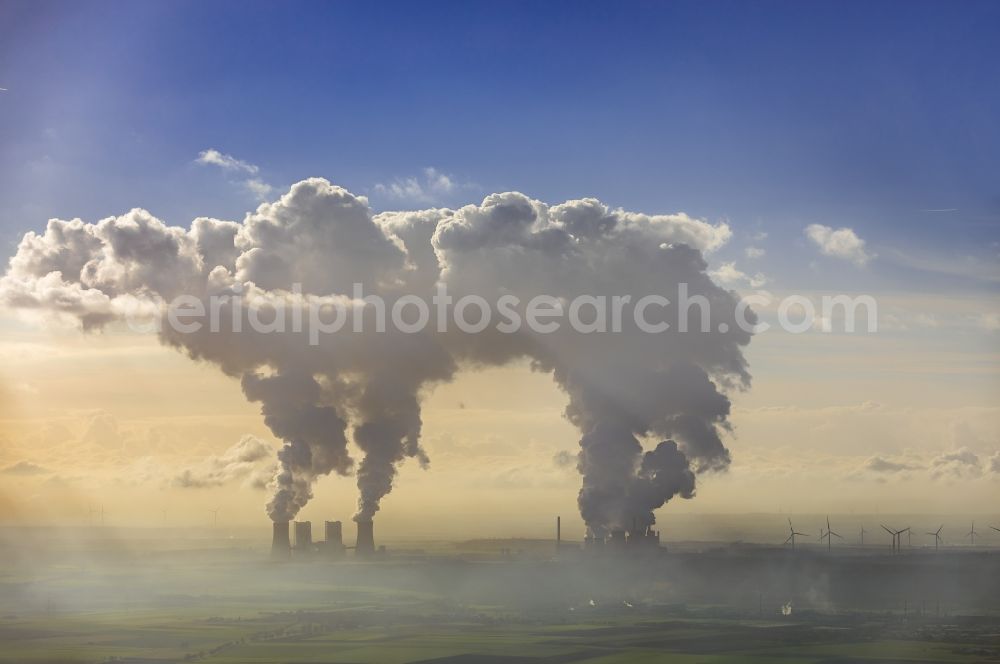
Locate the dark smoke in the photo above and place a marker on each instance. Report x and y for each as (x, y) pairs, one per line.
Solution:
(314, 435)
(622, 485)
(625, 389)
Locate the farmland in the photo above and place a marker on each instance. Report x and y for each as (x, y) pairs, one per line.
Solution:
(233, 606)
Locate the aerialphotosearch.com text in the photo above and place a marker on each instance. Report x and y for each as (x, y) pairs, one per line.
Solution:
(270, 312)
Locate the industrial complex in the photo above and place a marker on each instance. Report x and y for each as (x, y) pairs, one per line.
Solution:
(638, 538)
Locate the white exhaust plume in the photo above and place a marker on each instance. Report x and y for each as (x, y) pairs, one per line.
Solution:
(308, 250)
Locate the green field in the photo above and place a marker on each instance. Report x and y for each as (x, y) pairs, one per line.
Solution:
(238, 609)
(383, 631)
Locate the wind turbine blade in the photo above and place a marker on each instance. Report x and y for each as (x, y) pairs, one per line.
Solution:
(835, 534)
(887, 530)
(995, 528)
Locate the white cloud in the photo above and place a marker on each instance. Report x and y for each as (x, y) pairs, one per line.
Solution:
(429, 187)
(247, 459)
(841, 243)
(729, 275)
(225, 161)
(230, 164)
(260, 189)
(754, 252)
(961, 462)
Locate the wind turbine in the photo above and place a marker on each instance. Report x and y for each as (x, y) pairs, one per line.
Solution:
(215, 517)
(937, 537)
(863, 531)
(829, 541)
(972, 534)
(792, 533)
(909, 540)
(894, 534)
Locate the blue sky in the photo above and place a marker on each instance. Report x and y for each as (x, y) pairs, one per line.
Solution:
(877, 121)
(771, 115)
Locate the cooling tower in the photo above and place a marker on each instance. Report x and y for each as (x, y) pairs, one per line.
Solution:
(334, 544)
(303, 535)
(280, 547)
(593, 542)
(366, 539)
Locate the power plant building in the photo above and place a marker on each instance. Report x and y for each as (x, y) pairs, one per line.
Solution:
(643, 538)
(334, 538)
(303, 535)
(281, 548)
(365, 546)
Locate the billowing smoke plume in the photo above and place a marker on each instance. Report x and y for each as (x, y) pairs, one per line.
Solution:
(314, 435)
(309, 248)
(622, 386)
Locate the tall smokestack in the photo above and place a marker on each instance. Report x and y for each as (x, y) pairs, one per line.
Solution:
(334, 538)
(366, 538)
(280, 547)
(303, 535)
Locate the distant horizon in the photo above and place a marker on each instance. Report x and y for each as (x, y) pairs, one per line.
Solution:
(752, 528)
